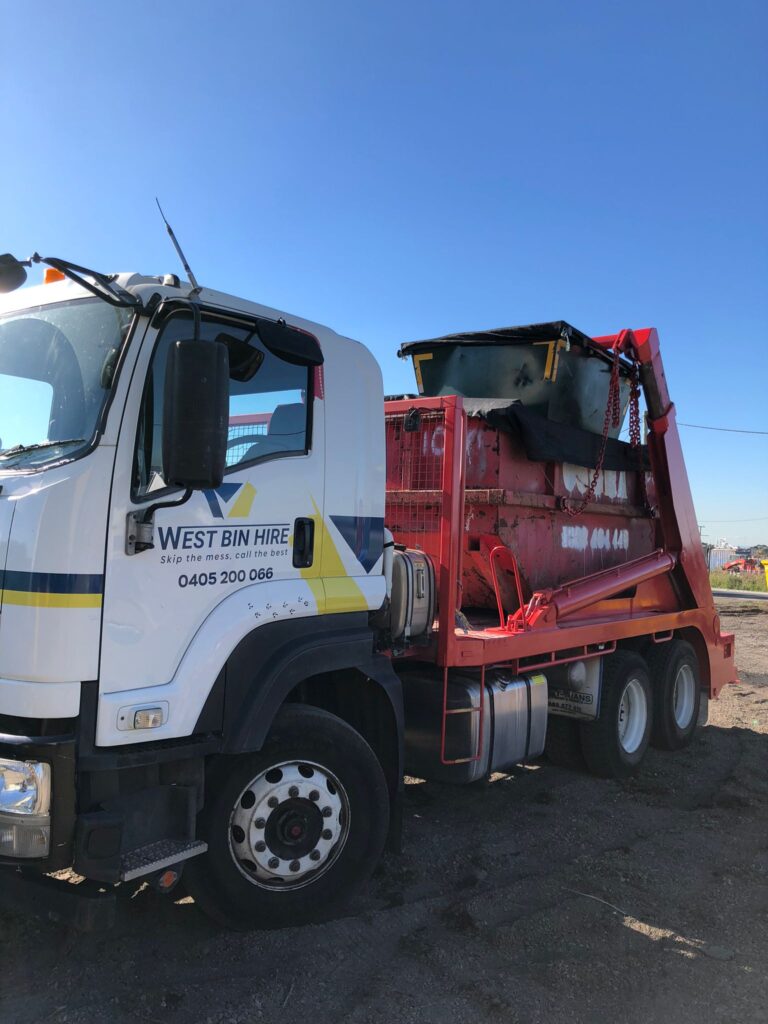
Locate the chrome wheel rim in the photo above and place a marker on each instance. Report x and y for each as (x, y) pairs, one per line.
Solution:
(684, 696)
(633, 716)
(289, 825)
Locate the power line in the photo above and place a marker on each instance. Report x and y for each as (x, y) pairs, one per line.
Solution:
(726, 430)
(757, 519)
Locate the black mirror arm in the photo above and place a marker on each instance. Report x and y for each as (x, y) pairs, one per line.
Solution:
(140, 524)
(148, 513)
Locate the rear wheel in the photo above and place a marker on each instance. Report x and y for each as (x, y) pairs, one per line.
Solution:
(615, 743)
(674, 671)
(294, 830)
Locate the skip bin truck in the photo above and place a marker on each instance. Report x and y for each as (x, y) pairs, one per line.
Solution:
(242, 595)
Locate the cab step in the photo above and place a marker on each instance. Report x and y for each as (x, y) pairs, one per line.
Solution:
(162, 854)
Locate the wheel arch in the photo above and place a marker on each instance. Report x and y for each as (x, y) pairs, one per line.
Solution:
(327, 662)
(642, 644)
(369, 698)
(692, 636)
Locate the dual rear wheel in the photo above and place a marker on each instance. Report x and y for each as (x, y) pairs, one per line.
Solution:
(653, 700)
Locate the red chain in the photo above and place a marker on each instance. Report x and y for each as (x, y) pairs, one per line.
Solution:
(634, 406)
(612, 418)
(634, 434)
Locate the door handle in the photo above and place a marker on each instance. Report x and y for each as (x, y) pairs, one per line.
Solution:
(303, 543)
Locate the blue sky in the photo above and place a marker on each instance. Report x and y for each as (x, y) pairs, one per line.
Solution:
(402, 170)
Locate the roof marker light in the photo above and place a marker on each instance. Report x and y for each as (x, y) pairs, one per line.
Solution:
(50, 274)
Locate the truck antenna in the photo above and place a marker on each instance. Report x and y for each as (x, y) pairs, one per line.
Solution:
(177, 247)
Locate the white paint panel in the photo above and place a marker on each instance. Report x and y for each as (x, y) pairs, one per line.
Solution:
(59, 526)
(610, 483)
(39, 700)
(574, 538)
(234, 618)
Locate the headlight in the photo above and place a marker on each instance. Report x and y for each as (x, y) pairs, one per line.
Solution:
(25, 787)
(25, 799)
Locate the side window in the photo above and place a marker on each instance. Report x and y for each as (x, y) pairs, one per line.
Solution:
(268, 410)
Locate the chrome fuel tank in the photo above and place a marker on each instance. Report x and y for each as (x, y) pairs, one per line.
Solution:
(514, 716)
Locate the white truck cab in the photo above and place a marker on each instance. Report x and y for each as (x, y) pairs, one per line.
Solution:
(153, 626)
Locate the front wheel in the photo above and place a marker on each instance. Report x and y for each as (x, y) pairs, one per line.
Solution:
(615, 743)
(293, 830)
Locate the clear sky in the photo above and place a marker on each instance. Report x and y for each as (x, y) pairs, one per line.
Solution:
(399, 170)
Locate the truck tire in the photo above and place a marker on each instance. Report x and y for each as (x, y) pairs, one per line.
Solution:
(293, 830)
(675, 677)
(563, 743)
(616, 742)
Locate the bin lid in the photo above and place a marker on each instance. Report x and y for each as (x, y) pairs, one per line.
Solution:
(523, 335)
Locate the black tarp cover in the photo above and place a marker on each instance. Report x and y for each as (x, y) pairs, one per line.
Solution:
(546, 441)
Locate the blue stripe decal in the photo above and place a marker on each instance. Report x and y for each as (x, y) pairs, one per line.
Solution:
(364, 535)
(52, 582)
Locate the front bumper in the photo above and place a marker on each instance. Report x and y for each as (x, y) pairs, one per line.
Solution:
(109, 812)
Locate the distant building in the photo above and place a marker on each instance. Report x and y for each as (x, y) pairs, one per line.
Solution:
(721, 553)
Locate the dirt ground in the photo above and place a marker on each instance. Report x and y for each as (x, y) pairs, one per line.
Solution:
(542, 896)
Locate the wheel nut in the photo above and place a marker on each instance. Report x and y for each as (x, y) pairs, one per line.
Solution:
(259, 823)
(293, 791)
(260, 847)
(327, 812)
(314, 795)
(294, 865)
(327, 834)
(274, 862)
(315, 855)
(273, 801)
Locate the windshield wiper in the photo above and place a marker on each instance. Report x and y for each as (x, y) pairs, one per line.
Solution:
(19, 448)
(101, 285)
(104, 286)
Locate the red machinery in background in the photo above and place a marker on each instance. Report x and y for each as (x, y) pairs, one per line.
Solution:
(738, 565)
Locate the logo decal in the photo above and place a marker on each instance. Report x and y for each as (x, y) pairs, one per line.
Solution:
(231, 500)
(364, 535)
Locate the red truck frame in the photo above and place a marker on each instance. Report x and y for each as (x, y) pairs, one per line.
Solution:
(576, 619)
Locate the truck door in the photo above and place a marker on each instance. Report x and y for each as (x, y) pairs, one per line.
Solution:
(253, 536)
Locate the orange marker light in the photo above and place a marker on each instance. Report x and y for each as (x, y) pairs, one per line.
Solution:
(50, 275)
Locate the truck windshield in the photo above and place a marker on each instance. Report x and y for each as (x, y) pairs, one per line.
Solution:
(56, 368)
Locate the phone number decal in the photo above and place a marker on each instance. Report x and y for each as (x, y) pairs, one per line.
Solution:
(208, 579)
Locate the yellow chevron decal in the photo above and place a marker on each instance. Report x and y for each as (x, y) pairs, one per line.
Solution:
(242, 506)
(334, 590)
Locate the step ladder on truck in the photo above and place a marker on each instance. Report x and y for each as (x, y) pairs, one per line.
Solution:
(241, 595)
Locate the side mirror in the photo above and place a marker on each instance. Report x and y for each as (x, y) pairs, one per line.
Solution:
(195, 414)
(12, 273)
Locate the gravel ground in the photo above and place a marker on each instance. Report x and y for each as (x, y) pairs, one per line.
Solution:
(543, 895)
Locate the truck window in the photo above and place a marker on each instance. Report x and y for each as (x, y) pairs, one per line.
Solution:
(268, 413)
(26, 406)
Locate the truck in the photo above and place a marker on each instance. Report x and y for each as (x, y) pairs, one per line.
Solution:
(243, 596)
